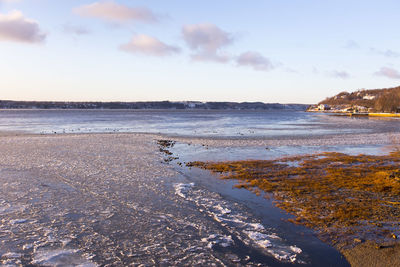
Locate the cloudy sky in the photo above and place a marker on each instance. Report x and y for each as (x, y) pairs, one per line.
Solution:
(288, 51)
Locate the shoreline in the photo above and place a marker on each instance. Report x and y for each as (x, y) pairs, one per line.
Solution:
(361, 114)
(384, 138)
(354, 251)
(354, 255)
(90, 198)
(358, 253)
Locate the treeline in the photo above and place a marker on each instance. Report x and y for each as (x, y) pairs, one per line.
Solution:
(377, 100)
(7, 104)
(389, 101)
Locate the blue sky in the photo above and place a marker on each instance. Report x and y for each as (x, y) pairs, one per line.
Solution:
(284, 51)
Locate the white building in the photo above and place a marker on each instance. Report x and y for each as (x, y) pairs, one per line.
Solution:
(369, 97)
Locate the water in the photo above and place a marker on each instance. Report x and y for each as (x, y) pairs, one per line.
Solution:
(253, 218)
(108, 208)
(200, 123)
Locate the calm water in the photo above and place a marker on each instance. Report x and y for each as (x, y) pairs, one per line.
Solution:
(191, 122)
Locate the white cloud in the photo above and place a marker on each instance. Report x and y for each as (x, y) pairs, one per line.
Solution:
(206, 41)
(9, 1)
(15, 27)
(388, 72)
(75, 29)
(352, 45)
(114, 12)
(386, 53)
(254, 60)
(149, 45)
(340, 74)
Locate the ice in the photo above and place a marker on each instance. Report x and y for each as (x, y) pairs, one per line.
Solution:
(61, 257)
(256, 226)
(259, 238)
(238, 222)
(222, 210)
(220, 240)
(18, 221)
(181, 189)
(12, 255)
(296, 249)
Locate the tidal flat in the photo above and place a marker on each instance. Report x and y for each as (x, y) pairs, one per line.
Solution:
(348, 199)
(111, 199)
(118, 199)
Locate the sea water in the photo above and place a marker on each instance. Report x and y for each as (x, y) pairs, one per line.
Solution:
(198, 123)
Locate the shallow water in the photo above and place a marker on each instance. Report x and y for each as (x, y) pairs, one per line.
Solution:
(203, 123)
(248, 216)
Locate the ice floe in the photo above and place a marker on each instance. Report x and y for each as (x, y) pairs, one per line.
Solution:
(181, 189)
(60, 257)
(239, 223)
(220, 240)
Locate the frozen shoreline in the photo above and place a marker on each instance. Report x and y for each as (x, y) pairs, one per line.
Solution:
(388, 138)
(328, 140)
(92, 198)
(104, 199)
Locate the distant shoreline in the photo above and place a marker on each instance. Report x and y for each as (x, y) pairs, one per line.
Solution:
(178, 105)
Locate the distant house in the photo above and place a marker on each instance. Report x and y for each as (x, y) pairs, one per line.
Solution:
(348, 109)
(369, 97)
(323, 107)
(361, 109)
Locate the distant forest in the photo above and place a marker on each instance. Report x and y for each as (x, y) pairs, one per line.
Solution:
(7, 104)
(378, 100)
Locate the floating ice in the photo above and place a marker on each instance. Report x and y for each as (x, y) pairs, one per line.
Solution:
(61, 257)
(259, 238)
(238, 222)
(296, 249)
(18, 221)
(220, 240)
(12, 255)
(181, 189)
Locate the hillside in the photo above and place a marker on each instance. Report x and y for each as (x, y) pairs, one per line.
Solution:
(376, 100)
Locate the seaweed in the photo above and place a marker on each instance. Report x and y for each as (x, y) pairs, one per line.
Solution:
(343, 197)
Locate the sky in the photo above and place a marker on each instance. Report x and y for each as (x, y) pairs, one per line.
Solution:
(286, 51)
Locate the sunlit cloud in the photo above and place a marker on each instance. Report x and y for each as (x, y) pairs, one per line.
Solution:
(114, 12)
(16, 28)
(206, 41)
(388, 73)
(148, 45)
(254, 60)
